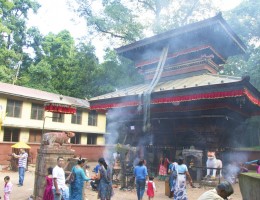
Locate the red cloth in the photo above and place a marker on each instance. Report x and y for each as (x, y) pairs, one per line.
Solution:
(48, 195)
(150, 190)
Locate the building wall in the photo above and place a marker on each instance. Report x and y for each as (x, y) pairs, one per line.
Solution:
(25, 123)
(91, 152)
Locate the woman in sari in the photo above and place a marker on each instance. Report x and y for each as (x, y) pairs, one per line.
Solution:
(172, 178)
(76, 187)
(180, 192)
(105, 190)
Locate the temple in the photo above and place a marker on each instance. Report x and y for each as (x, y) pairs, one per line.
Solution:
(190, 105)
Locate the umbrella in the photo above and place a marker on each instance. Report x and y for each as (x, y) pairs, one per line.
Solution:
(21, 145)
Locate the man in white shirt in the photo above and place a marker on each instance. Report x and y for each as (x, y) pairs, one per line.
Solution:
(59, 188)
(221, 192)
(22, 164)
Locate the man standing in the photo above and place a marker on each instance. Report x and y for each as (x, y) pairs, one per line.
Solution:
(22, 164)
(59, 188)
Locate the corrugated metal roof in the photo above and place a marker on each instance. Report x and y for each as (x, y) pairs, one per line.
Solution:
(30, 93)
(188, 82)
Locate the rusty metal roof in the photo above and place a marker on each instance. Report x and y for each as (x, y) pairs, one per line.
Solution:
(188, 82)
(30, 93)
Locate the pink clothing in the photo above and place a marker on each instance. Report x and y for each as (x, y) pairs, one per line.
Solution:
(258, 169)
(7, 190)
(48, 195)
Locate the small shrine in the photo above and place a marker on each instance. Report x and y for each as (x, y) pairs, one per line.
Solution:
(184, 101)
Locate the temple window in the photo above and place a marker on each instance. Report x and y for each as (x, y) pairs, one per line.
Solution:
(77, 117)
(37, 111)
(76, 139)
(58, 117)
(13, 108)
(11, 135)
(92, 118)
(92, 139)
(35, 136)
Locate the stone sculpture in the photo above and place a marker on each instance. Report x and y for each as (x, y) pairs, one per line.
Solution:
(215, 163)
(59, 138)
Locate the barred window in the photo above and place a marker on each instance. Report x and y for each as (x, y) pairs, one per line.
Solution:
(11, 135)
(58, 117)
(77, 117)
(76, 139)
(13, 108)
(35, 135)
(37, 111)
(92, 139)
(92, 118)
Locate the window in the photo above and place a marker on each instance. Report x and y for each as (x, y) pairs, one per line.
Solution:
(37, 111)
(76, 139)
(92, 118)
(57, 117)
(11, 135)
(92, 139)
(13, 108)
(76, 119)
(35, 136)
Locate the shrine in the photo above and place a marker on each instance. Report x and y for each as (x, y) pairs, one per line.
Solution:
(184, 101)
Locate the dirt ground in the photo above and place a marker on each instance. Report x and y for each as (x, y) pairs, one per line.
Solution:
(23, 193)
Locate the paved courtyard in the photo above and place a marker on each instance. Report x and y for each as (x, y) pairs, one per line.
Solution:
(23, 193)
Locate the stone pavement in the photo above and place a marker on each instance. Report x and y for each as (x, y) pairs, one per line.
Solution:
(23, 193)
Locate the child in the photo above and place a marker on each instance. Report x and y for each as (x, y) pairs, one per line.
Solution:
(48, 195)
(150, 188)
(7, 188)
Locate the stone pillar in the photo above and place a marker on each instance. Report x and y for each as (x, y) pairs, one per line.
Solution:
(47, 157)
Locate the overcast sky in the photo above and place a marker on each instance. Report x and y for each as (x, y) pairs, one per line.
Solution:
(55, 16)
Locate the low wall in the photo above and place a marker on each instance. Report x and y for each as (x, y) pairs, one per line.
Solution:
(92, 152)
(249, 184)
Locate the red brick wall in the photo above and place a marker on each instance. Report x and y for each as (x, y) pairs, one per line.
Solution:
(91, 152)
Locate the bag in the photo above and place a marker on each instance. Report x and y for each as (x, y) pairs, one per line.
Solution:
(71, 177)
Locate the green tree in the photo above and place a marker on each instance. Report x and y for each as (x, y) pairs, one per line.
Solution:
(128, 21)
(13, 15)
(245, 20)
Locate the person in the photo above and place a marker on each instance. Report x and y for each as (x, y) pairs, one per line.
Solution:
(87, 171)
(140, 174)
(221, 192)
(172, 178)
(164, 162)
(94, 182)
(105, 189)
(76, 187)
(22, 164)
(7, 188)
(48, 195)
(179, 191)
(257, 165)
(59, 187)
(151, 188)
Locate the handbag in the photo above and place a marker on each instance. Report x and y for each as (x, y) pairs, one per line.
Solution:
(71, 178)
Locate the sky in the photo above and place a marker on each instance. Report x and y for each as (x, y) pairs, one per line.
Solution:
(55, 16)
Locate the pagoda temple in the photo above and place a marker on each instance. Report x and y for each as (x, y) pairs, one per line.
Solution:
(184, 101)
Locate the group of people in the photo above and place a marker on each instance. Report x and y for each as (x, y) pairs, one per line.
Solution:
(57, 189)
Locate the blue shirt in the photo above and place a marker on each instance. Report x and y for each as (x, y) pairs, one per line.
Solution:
(182, 168)
(96, 168)
(140, 172)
